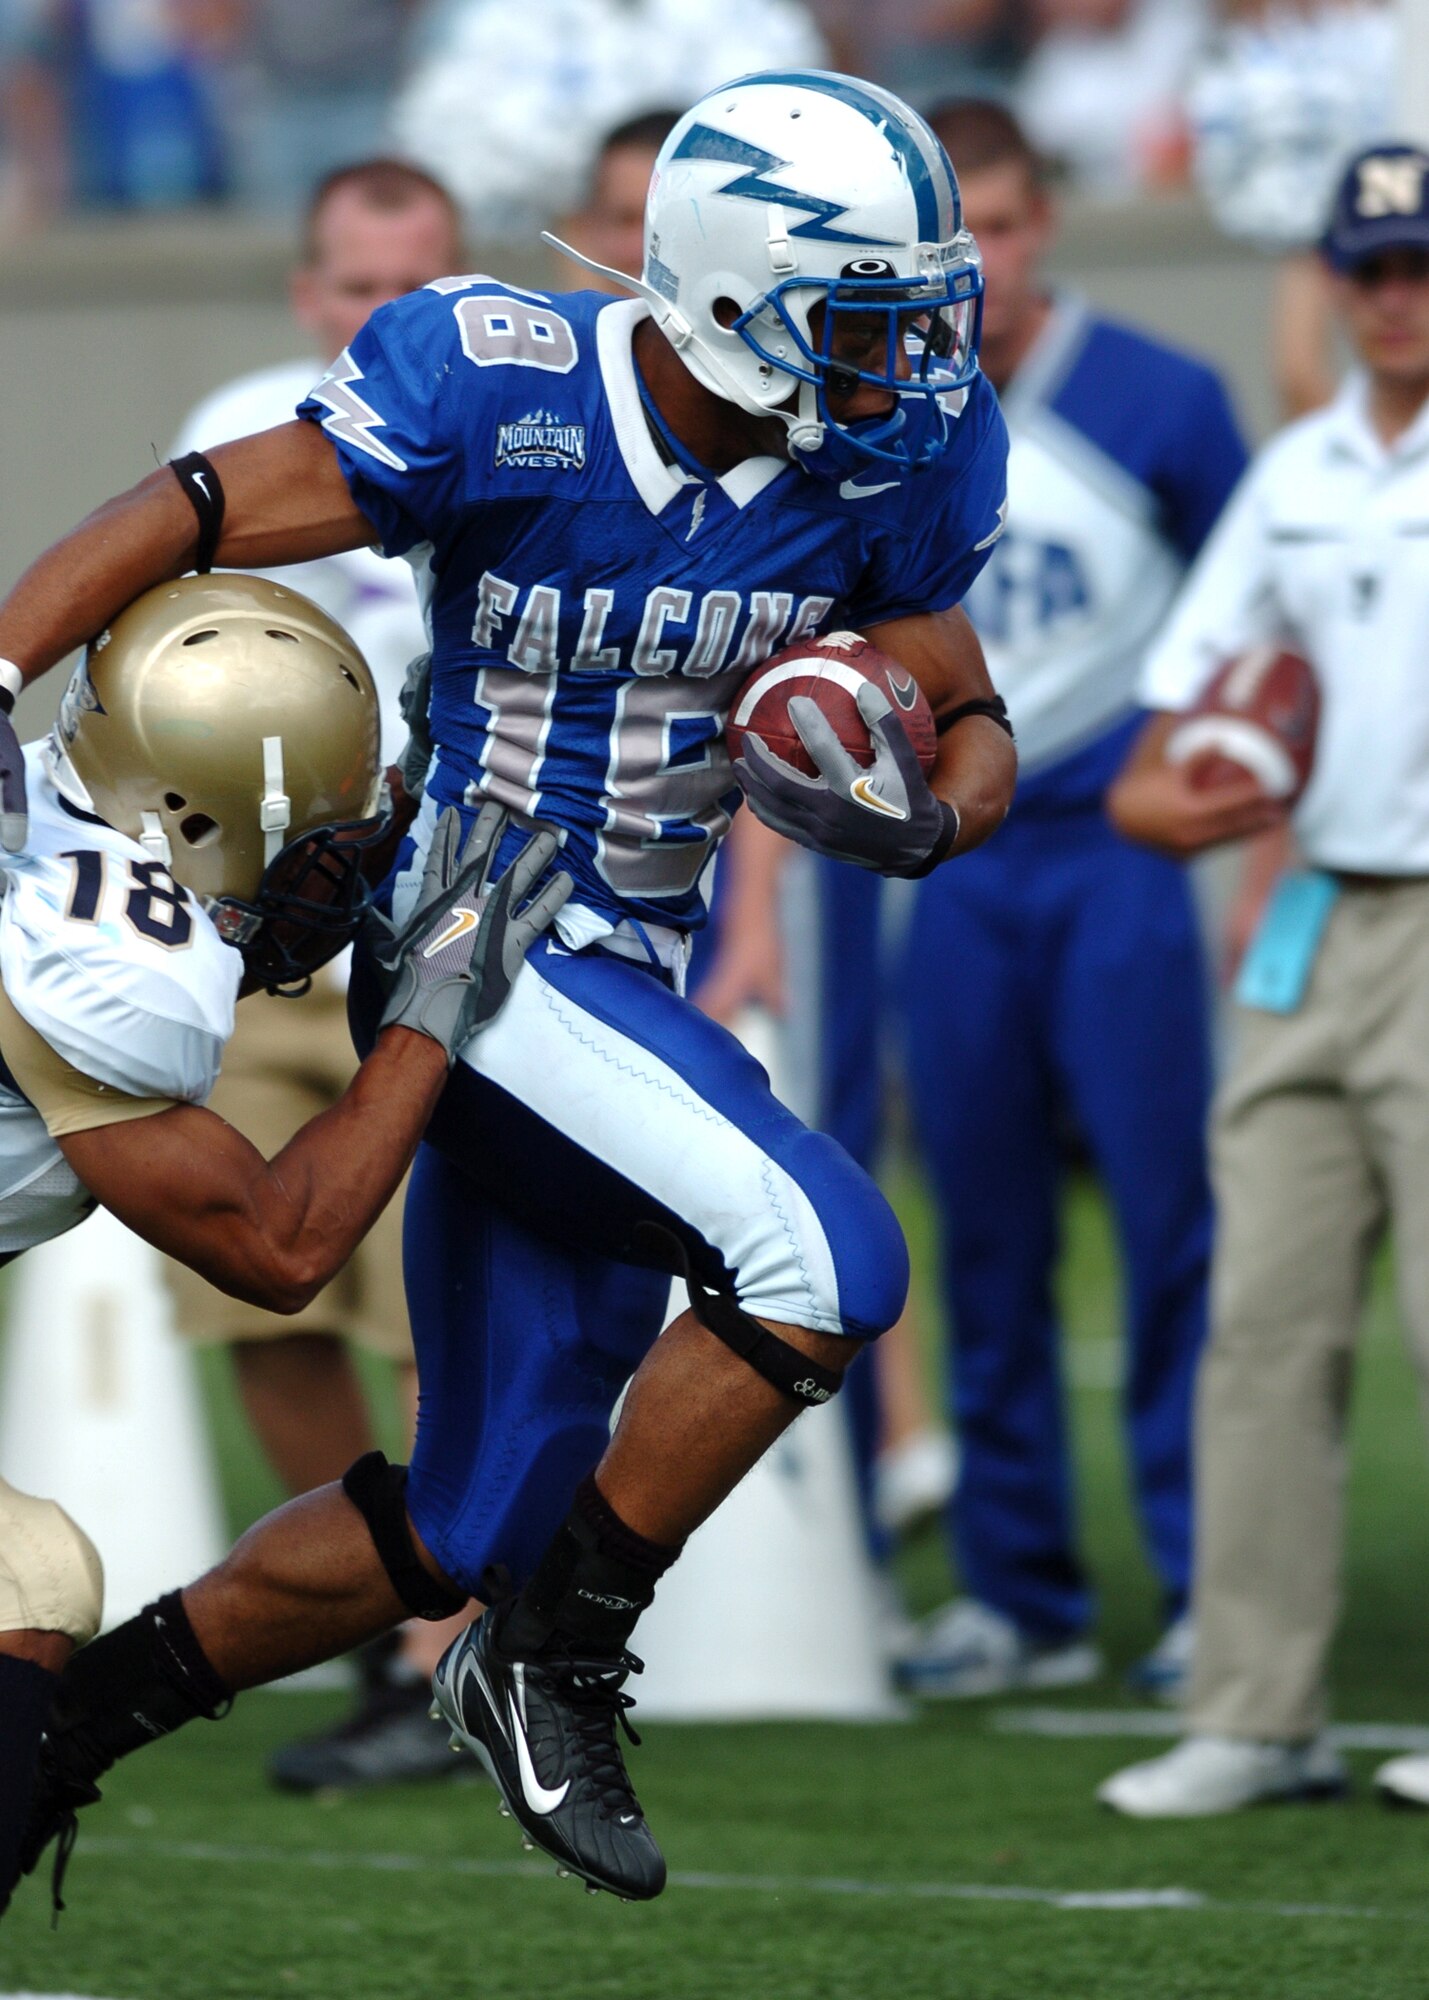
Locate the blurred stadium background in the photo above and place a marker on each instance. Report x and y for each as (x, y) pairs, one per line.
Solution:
(146, 233)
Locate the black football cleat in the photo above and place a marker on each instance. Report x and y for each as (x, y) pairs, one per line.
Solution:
(545, 1728)
(390, 1739)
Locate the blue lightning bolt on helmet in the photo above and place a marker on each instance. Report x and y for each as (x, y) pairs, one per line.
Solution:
(782, 205)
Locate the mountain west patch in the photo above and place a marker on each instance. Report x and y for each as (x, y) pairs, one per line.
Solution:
(541, 439)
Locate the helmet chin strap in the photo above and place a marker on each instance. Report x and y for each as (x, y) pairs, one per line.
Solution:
(804, 425)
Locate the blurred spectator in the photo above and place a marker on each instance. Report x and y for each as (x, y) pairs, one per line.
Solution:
(308, 84)
(34, 159)
(927, 49)
(610, 224)
(508, 101)
(1100, 94)
(1283, 93)
(144, 120)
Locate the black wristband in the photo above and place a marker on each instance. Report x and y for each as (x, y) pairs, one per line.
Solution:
(7, 702)
(995, 711)
(942, 847)
(203, 489)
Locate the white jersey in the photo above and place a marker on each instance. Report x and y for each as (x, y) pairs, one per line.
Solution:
(372, 598)
(125, 982)
(1325, 547)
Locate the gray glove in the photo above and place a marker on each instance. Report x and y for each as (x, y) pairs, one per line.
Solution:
(451, 966)
(14, 814)
(414, 701)
(883, 816)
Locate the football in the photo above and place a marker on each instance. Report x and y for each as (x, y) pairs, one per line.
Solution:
(830, 671)
(1260, 714)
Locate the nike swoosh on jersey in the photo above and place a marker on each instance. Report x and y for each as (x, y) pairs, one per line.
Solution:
(462, 922)
(860, 791)
(849, 489)
(988, 540)
(538, 1798)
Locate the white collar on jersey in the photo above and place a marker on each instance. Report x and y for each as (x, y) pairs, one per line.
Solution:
(656, 482)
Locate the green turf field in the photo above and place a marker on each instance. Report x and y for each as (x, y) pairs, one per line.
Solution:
(943, 1857)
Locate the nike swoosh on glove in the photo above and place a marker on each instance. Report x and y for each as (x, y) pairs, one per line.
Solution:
(14, 810)
(883, 816)
(450, 968)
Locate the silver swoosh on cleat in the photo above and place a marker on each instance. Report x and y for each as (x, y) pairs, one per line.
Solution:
(469, 1670)
(537, 1797)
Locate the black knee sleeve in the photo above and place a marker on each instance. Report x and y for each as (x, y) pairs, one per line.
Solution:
(791, 1372)
(378, 1491)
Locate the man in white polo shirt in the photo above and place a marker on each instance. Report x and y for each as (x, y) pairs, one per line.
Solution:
(1321, 1135)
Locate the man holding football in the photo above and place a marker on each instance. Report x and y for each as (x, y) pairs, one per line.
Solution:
(1321, 1134)
(617, 509)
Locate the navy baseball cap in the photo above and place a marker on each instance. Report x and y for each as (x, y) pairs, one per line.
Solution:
(1382, 203)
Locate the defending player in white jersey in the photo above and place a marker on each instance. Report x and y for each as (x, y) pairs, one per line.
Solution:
(198, 824)
(616, 509)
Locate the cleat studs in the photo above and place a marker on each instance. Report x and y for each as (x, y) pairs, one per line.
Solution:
(435, 1711)
(504, 1810)
(563, 1874)
(456, 1743)
(529, 1845)
(591, 1889)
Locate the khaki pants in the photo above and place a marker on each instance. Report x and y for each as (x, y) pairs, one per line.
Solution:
(1321, 1137)
(288, 1060)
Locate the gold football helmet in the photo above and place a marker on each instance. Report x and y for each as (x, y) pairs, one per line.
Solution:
(231, 728)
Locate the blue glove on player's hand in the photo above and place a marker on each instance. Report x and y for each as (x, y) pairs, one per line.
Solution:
(883, 817)
(450, 967)
(14, 813)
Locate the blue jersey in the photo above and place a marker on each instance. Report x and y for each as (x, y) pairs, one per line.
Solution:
(594, 598)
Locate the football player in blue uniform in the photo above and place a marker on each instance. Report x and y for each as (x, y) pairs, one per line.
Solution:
(616, 509)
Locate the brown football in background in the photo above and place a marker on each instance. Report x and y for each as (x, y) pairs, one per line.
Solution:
(1260, 714)
(829, 671)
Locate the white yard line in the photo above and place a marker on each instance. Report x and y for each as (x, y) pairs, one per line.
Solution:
(332, 1860)
(1136, 1722)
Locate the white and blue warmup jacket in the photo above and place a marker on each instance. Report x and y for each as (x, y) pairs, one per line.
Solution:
(1050, 985)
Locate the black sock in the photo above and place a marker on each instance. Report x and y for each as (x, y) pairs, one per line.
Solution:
(143, 1680)
(26, 1692)
(592, 1583)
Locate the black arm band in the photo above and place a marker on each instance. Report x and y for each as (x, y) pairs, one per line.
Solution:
(995, 711)
(204, 491)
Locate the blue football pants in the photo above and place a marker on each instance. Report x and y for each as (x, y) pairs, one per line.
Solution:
(597, 1102)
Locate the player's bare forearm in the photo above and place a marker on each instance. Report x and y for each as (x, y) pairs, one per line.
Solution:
(976, 771)
(270, 1232)
(287, 502)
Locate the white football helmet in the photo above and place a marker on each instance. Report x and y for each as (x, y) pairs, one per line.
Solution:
(785, 202)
